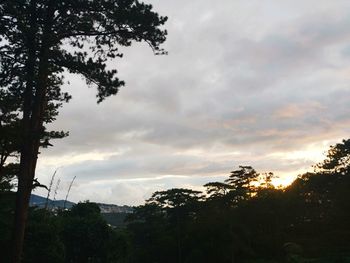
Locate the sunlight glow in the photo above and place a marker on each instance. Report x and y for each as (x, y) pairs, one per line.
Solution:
(314, 152)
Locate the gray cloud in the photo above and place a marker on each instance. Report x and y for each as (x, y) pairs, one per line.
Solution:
(260, 83)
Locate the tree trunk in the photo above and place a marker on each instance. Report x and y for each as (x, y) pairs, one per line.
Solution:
(24, 183)
(21, 212)
(34, 108)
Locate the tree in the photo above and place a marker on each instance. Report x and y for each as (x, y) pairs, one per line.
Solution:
(150, 236)
(338, 159)
(39, 41)
(160, 229)
(11, 100)
(42, 241)
(175, 198)
(181, 206)
(217, 189)
(241, 183)
(85, 234)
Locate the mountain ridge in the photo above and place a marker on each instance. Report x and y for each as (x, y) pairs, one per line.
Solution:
(40, 201)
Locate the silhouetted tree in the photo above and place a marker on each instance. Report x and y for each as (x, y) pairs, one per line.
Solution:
(181, 205)
(42, 241)
(35, 36)
(217, 189)
(338, 159)
(241, 182)
(85, 234)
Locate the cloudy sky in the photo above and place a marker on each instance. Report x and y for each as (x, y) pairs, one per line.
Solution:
(261, 83)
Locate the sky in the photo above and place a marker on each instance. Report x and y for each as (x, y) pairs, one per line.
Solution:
(260, 83)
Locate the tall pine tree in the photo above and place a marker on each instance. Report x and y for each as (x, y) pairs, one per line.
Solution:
(40, 39)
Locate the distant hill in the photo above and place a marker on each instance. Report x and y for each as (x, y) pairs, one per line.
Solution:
(39, 201)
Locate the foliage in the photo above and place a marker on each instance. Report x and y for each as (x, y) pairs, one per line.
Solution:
(7, 202)
(85, 225)
(305, 222)
(338, 159)
(42, 40)
(79, 235)
(42, 242)
(240, 221)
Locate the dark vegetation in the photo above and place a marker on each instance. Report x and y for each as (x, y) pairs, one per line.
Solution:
(40, 42)
(244, 219)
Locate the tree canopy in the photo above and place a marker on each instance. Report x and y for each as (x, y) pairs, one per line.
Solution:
(306, 221)
(41, 40)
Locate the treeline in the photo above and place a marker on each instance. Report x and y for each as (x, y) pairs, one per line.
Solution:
(79, 235)
(246, 219)
(243, 219)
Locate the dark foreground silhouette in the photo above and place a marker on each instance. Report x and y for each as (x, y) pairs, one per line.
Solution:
(244, 219)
